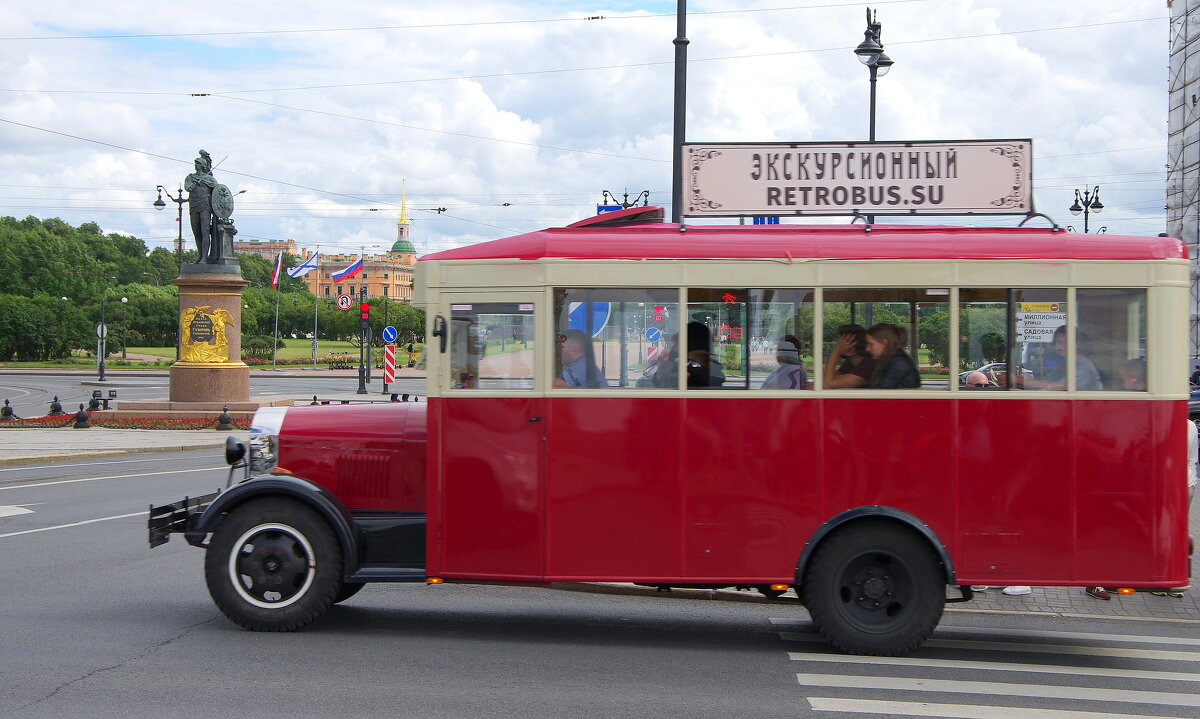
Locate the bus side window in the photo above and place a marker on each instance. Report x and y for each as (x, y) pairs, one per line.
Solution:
(615, 338)
(909, 330)
(983, 339)
(491, 346)
(1112, 335)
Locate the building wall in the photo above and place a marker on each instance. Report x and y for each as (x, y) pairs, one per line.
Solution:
(1183, 143)
(268, 249)
(387, 275)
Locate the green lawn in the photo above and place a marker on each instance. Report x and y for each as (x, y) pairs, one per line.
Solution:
(288, 349)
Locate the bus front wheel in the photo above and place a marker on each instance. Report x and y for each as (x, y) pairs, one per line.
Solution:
(273, 565)
(875, 588)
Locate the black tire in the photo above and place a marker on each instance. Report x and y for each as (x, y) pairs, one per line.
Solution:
(273, 565)
(349, 589)
(875, 588)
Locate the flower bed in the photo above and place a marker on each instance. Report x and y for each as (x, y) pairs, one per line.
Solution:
(67, 420)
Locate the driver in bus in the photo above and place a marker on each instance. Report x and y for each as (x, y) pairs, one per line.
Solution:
(578, 367)
(1086, 374)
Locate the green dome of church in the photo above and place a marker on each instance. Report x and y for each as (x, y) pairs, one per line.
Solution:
(404, 247)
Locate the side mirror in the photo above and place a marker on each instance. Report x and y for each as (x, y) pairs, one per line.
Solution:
(234, 450)
(439, 331)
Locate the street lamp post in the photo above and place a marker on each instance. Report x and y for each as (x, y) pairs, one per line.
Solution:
(102, 334)
(870, 53)
(178, 199)
(606, 197)
(1087, 202)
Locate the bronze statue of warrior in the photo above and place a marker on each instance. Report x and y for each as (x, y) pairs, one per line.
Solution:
(200, 185)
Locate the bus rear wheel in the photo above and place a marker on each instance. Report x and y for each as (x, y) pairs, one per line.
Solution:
(875, 588)
(273, 565)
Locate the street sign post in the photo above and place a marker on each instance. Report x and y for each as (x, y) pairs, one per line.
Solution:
(389, 334)
(389, 366)
(344, 302)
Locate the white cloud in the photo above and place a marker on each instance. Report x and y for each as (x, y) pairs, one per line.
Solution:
(546, 143)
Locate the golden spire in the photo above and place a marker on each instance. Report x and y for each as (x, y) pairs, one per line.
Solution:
(403, 207)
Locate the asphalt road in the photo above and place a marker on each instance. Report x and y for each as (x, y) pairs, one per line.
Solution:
(30, 394)
(98, 625)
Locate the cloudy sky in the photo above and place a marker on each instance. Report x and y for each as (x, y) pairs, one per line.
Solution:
(515, 116)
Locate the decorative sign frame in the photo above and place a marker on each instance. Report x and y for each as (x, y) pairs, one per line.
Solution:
(962, 177)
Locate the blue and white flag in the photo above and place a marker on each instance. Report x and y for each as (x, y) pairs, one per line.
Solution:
(354, 268)
(305, 267)
(275, 274)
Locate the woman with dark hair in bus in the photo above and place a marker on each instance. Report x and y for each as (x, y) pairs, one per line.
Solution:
(894, 369)
(856, 365)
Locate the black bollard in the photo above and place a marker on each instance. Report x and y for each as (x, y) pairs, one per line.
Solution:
(55, 408)
(314, 400)
(224, 420)
(81, 419)
(7, 414)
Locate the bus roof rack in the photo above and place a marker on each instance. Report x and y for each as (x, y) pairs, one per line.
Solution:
(629, 216)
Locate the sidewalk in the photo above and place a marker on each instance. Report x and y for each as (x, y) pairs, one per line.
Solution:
(36, 446)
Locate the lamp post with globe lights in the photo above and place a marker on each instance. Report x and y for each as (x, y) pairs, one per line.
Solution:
(178, 199)
(1087, 202)
(870, 53)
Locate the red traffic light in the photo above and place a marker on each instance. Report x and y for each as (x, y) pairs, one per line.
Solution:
(366, 310)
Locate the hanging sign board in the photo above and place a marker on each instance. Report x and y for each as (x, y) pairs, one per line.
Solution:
(968, 177)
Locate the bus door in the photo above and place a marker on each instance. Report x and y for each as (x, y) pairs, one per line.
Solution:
(488, 462)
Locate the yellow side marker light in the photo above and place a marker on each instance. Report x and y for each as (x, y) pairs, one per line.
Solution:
(434, 580)
(780, 587)
(280, 470)
(1126, 590)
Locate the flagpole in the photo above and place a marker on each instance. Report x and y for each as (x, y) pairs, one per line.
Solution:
(275, 349)
(316, 288)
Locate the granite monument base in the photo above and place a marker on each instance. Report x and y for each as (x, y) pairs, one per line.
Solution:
(210, 369)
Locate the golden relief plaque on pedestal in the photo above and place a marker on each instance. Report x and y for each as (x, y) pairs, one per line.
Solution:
(203, 330)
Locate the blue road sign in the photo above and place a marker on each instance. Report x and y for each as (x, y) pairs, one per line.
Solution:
(601, 209)
(389, 334)
(768, 220)
(577, 318)
(653, 334)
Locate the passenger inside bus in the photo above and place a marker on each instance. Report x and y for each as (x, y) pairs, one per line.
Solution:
(977, 380)
(790, 373)
(894, 369)
(856, 366)
(578, 367)
(1086, 374)
(1133, 375)
(702, 369)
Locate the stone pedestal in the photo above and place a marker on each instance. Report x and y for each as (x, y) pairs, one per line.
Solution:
(210, 367)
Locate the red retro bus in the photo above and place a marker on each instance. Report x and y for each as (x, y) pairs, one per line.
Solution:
(605, 404)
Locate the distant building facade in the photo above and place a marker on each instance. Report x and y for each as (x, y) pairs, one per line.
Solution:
(386, 275)
(267, 249)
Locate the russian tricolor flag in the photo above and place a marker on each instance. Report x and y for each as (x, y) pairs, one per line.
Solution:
(278, 270)
(354, 268)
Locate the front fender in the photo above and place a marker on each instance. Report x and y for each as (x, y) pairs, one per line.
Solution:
(321, 500)
(875, 510)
